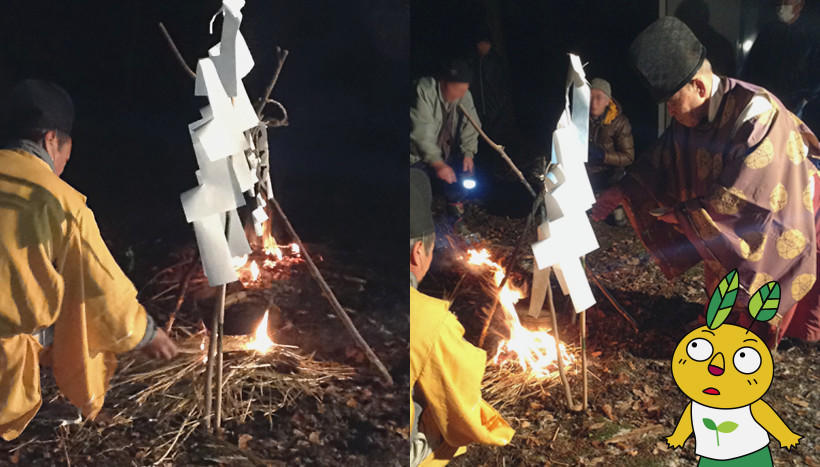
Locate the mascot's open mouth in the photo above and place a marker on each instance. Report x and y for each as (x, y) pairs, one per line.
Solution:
(711, 391)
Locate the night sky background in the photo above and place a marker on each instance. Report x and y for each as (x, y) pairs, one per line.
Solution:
(338, 169)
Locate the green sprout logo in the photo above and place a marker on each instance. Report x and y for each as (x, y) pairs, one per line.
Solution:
(725, 427)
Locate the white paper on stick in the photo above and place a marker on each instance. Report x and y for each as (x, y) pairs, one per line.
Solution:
(570, 237)
(259, 215)
(237, 241)
(235, 114)
(216, 140)
(244, 177)
(213, 249)
(578, 284)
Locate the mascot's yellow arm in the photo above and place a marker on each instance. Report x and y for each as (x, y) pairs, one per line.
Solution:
(770, 422)
(684, 428)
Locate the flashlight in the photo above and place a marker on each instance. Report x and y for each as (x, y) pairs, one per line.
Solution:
(468, 183)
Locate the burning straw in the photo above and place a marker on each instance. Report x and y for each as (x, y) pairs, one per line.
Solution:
(256, 382)
(525, 362)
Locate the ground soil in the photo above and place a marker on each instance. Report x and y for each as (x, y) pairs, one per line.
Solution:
(633, 401)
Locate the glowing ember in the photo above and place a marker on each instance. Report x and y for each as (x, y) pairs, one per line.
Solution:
(532, 350)
(260, 341)
(269, 264)
(294, 249)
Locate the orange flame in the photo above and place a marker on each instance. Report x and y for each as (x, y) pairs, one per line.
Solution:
(261, 342)
(532, 350)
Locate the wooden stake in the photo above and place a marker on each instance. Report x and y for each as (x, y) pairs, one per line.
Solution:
(560, 359)
(328, 293)
(584, 404)
(220, 332)
(209, 374)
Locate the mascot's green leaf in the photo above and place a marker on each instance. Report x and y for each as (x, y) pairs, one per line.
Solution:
(723, 298)
(763, 304)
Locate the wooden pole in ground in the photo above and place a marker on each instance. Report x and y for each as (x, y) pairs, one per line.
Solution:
(328, 293)
(560, 359)
(585, 402)
(219, 354)
(209, 374)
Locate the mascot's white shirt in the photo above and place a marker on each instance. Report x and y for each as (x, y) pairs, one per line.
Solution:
(729, 441)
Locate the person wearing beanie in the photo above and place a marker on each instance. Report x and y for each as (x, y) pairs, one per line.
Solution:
(64, 302)
(447, 411)
(611, 148)
(442, 140)
(731, 182)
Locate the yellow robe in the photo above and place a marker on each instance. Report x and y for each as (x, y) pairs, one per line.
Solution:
(448, 371)
(56, 270)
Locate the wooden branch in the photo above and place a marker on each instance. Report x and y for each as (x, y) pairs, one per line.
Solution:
(209, 374)
(585, 402)
(181, 298)
(176, 51)
(219, 338)
(500, 150)
(281, 56)
(328, 293)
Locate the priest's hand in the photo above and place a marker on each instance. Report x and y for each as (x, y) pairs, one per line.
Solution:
(669, 218)
(444, 171)
(161, 346)
(606, 203)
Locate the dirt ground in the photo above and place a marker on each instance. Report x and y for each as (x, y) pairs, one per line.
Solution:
(353, 422)
(633, 401)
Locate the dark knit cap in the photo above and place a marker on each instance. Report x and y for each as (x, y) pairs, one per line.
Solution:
(421, 198)
(457, 71)
(35, 104)
(666, 55)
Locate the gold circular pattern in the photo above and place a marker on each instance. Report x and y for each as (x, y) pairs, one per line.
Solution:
(808, 195)
(794, 148)
(751, 246)
(704, 163)
(801, 285)
(762, 156)
(791, 244)
(758, 281)
(728, 201)
(778, 198)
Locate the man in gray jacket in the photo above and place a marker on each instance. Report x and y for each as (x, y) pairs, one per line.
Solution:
(440, 136)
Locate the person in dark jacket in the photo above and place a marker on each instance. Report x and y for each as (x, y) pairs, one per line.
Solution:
(611, 148)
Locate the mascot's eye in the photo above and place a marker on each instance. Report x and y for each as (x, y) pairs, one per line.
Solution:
(699, 349)
(747, 360)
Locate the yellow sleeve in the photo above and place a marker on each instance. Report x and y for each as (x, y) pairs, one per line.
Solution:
(451, 384)
(99, 317)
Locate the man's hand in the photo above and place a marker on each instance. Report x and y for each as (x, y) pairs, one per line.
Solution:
(444, 171)
(606, 203)
(469, 165)
(161, 346)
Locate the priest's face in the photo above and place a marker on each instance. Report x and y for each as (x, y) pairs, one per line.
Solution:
(688, 106)
(452, 91)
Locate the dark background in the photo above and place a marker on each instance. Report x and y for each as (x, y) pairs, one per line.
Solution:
(338, 169)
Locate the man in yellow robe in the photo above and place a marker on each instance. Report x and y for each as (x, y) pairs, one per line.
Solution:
(447, 411)
(64, 302)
